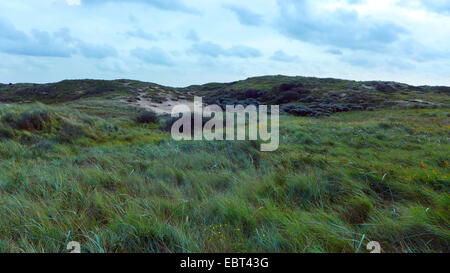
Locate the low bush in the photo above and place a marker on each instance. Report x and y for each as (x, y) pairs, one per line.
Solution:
(300, 110)
(288, 96)
(289, 86)
(37, 119)
(147, 117)
(6, 132)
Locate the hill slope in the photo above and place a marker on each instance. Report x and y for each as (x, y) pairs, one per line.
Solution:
(300, 95)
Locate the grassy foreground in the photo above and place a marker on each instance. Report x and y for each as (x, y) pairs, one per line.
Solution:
(87, 171)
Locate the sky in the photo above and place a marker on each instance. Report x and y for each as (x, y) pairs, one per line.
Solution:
(181, 42)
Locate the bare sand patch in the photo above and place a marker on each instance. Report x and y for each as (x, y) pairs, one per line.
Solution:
(160, 108)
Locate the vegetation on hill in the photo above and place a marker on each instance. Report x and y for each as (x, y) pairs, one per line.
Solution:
(70, 90)
(303, 96)
(108, 175)
(317, 97)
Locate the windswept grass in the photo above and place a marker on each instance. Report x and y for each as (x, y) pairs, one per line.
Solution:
(87, 171)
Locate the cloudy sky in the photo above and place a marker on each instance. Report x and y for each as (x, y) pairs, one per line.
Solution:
(183, 42)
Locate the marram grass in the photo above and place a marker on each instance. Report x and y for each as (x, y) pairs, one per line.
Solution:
(88, 172)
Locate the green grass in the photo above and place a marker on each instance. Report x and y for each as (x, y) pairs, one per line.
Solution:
(87, 171)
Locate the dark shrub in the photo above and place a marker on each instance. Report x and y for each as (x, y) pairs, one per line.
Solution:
(308, 99)
(235, 97)
(289, 86)
(287, 97)
(300, 110)
(356, 108)
(438, 89)
(333, 107)
(30, 120)
(147, 117)
(301, 90)
(385, 88)
(34, 120)
(253, 94)
(6, 132)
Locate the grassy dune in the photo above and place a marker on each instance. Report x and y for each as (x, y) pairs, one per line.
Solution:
(87, 171)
